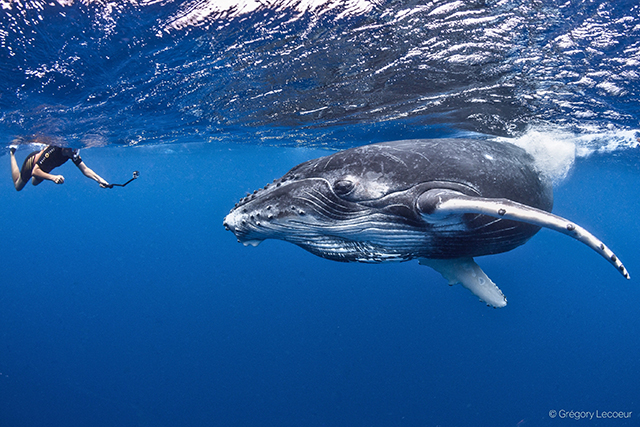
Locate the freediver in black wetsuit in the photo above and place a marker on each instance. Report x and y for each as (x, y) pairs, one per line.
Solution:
(38, 165)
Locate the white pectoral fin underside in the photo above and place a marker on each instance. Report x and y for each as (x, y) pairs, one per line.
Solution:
(469, 274)
(440, 203)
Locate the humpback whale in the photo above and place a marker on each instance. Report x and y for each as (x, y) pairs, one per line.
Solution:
(440, 201)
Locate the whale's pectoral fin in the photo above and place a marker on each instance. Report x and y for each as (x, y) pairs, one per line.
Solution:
(469, 274)
(436, 203)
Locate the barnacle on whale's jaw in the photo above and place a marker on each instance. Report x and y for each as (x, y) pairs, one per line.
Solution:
(237, 223)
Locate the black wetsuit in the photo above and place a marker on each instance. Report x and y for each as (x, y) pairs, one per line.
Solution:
(51, 158)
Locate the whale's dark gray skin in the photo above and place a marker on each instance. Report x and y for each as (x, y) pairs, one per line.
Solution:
(442, 201)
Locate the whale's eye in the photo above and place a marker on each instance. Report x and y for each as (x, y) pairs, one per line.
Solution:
(343, 187)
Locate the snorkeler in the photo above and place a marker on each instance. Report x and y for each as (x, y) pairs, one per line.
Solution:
(38, 164)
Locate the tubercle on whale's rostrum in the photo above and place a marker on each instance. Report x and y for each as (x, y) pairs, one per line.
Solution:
(250, 196)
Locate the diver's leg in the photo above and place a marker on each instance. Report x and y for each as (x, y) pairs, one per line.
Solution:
(15, 173)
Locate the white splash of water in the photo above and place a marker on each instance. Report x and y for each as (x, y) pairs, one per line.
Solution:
(606, 142)
(555, 150)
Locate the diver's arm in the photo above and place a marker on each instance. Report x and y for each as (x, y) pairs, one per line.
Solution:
(89, 173)
(39, 173)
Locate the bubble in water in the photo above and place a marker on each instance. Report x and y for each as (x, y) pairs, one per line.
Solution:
(553, 150)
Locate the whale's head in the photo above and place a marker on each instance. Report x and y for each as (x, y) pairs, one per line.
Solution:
(325, 207)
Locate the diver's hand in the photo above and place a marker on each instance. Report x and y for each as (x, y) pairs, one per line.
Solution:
(58, 179)
(105, 184)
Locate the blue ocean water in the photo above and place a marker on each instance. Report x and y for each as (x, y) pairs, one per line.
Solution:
(134, 307)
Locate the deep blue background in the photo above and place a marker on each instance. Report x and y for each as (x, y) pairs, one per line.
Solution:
(134, 307)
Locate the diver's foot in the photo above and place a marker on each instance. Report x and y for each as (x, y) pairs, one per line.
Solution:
(13, 148)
